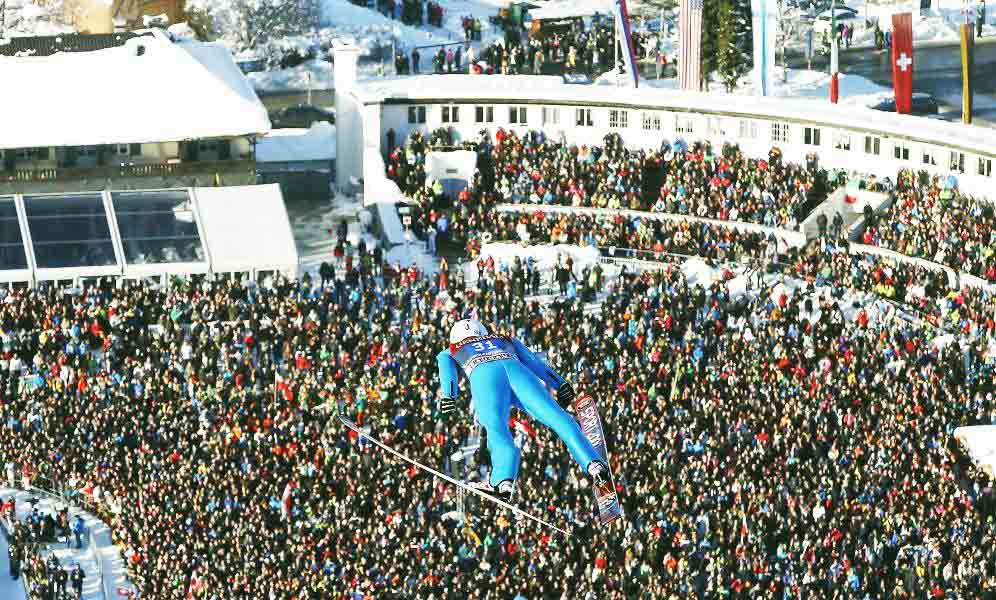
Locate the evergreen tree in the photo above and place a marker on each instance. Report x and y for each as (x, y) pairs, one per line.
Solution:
(743, 19)
(267, 26)
(729, 59)
(710, 43)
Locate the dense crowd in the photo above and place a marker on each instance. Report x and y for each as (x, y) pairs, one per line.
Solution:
(930, 220)
(765, 447)
(693, 181)
(617, 235)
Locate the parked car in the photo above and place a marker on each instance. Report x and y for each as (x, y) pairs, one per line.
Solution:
(301, 116)
(923, 104)
(845, 14)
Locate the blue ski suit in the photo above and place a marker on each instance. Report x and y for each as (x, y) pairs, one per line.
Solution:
(503, 373)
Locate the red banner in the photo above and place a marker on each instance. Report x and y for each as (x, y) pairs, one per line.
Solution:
(902, 61)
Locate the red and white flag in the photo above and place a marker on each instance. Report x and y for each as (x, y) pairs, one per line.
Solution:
(285, 501)
(902, 61)
(690, 34)
(834, 82)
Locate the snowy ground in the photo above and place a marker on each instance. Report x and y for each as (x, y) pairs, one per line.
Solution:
(795, 83)
(374, 33)
(23, 17)
(933, 26)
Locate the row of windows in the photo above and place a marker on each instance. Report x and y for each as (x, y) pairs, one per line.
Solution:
(47, 154)
(686, 124)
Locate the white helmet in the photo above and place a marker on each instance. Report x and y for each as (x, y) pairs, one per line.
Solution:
(466, 328)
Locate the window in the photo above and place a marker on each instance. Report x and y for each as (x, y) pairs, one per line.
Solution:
(123, 149)
(451, 114)
(779, 132)
(957, 161)
(136, 149)
(517, 114)
(416, 114)
(986, 167)
(582, 117)
(651, 120)
(33, 154)
(87, 151)
(207, 146)
(618, 118)
(715, 126)
(484, 114)
(684, 124)
(901, 151)
(551, 115)
(811, 136)
(841, 141)
(928, 158)
(748, 129)
(873, 145)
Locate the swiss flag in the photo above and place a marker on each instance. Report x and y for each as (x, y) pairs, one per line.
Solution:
(902, 61)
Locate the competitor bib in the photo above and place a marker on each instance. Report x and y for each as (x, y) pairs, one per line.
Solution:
(475, 351)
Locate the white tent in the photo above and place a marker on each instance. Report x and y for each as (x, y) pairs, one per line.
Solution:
(568, 10)
(246, 229)
(980, 443)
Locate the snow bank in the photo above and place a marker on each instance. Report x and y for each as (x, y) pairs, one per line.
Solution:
(368, 29)
(980, 443)
(290, 145)
(798, 83)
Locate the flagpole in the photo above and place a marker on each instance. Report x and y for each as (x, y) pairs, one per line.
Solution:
(615, 43)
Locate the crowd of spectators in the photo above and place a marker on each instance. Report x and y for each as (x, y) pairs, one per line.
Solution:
(620, 236)
(763, 446)
(675, 179)
(928, 219)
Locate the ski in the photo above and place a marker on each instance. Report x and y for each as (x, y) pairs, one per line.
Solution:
(354, 427)
(606, 498)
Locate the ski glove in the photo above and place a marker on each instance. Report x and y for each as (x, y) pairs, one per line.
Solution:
(565, 395)
(447, 406)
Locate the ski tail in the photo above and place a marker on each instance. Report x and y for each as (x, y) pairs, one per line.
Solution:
(366, 435)
(606, 498)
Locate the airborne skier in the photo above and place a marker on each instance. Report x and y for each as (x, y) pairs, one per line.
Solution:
(503, 373)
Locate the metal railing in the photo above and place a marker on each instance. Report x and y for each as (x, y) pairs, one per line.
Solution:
(206, 167)
(79, 504)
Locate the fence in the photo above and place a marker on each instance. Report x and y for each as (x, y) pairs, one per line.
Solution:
(74, 502)
(206, 167)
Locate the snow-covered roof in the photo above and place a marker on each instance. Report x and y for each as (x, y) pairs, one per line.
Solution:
(552, 90)
(572, 9)
(294, 145)
(171, 92)
(259, 237)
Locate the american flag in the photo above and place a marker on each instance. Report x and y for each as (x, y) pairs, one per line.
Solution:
(690, 32)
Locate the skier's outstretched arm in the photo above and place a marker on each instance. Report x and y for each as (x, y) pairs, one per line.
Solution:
(565, 393)
(449, 381)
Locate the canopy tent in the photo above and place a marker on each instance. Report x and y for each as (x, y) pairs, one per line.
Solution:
(980, 443)
(569, 10)
(144, 233)
(246, 228)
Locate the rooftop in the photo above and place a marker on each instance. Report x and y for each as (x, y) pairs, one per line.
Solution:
(149, 89)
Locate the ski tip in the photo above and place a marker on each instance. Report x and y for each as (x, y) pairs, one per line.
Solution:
(349, 423)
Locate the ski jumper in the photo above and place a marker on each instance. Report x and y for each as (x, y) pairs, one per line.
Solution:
(503, 373)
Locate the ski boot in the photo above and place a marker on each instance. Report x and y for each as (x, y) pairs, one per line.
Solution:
(598, 474)
(503, 491)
